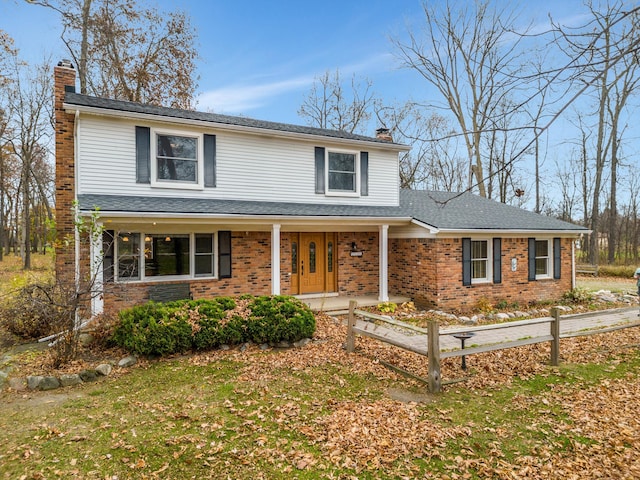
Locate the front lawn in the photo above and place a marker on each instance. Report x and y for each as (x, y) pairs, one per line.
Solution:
(318, 412)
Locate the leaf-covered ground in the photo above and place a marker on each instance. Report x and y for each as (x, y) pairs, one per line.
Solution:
(318, 412)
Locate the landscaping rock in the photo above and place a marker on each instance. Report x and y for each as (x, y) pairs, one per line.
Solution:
(104, 369)
(85, 339)
(265, 346)
(301, 343)
(49, 383)
(128, 361)
(70, 379)
(33, 381)
(17, 384)
(282, 344)
(3, 377)
(502, 316)
(89, 375)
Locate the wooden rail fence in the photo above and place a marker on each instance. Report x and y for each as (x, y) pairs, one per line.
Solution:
(430, 346)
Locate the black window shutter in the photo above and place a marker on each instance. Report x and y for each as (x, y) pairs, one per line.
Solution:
(557, 258)
(209, 148)
(532, 259)
(224, 254)
(364, 173)
(466, 261)
(497, 260)
(320, 170)
(143, 155)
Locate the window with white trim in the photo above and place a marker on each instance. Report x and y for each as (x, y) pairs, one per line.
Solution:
(166, 255)
(343, 174)
(176, 160)
(480, 265)
(542, 258)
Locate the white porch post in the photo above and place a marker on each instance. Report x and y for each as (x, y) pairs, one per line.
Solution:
(97, 288)
(384, 263)
(275, 259)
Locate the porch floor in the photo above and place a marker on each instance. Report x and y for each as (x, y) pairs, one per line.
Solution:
(334, 304)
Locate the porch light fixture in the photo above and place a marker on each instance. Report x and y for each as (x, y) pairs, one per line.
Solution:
(355, 252)
(125, 239)
(167, 238)
(147, 238)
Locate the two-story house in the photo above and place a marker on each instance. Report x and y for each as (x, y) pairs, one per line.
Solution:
(200, 204)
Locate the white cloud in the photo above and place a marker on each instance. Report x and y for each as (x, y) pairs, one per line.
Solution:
(240, 98)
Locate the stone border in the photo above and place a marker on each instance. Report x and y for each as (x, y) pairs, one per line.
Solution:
(50, 382)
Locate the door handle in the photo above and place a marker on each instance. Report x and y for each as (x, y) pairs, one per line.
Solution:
(302, 267)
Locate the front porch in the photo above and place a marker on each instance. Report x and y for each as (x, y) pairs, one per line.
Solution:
(335, 304)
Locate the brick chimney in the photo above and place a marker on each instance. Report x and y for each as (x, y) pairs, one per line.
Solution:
(384, 134)
(64, 81)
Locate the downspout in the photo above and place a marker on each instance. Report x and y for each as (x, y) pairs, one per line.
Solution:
(76, 233)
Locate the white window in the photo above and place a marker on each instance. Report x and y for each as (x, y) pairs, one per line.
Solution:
(480, 261)
(343, 172)
(176, 160)
(543, 260)
(164, 256)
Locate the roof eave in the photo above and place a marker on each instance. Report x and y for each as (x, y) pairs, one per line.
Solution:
(143, 217)
(513, 232)
(108, 112)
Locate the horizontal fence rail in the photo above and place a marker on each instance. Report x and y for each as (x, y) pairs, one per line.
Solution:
(426, 341)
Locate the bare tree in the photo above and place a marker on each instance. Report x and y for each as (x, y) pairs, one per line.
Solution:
(470, 56)
(30, 116)
(607, 47)
(127, 52)
(433, 162)
(330, 105)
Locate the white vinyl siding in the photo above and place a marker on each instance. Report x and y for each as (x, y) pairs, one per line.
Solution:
(248, 167)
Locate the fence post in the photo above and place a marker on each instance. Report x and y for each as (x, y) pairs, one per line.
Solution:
(351, 323)
(433, 354)
(555, 333)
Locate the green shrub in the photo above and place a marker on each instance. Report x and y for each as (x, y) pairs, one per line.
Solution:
(578, 295)
(163, 329)
(150, 329)
(387, 307)
(279, 318)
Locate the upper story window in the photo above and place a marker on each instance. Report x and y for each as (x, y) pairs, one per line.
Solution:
(342, 172)
(177, 158)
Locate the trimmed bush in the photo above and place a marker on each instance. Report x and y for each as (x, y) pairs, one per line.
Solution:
(279, 318)
(151, 329)
(162, 329)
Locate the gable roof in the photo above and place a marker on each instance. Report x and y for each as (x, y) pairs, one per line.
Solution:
(122, 108)
(442, 211)
(466, 211)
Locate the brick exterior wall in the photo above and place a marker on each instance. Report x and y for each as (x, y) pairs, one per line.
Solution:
(430, 272)
(65, 179)
(358, 275)
(251, 273)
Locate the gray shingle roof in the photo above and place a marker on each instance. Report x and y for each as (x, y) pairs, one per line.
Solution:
(466, 211)
(116, 203)
(442, 210)
(72, 98)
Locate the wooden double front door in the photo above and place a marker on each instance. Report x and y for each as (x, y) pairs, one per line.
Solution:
(313, 263)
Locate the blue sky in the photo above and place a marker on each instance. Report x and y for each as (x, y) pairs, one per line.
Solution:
(259, 58)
